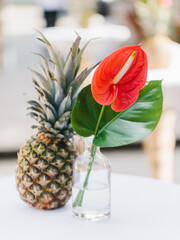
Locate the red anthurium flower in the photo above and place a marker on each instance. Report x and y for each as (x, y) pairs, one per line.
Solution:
(119, 78)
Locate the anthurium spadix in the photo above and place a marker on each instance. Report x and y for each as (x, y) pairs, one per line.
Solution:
(119, 78)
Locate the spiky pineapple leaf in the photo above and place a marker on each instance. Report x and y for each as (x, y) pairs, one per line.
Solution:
(33, 115)
(59, 76)
(43, 93)
(65, 104)
(72, 65)
(61, 59)
(50, 116)
(35, 104)
(37, 109)
(44, 39)
(75, 85)
(45, 83)
(57, 89)
(59, 94)
(44, 66)
(53, 110)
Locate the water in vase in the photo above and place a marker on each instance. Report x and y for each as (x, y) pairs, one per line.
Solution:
(96, 197)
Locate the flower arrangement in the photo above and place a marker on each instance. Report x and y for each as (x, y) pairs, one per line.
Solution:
(119, 107)
(152, 20)
(153, 16)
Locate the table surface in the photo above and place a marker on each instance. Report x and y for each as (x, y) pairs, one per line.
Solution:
(142, 209)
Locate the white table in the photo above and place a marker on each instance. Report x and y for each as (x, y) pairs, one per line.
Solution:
(142, 209)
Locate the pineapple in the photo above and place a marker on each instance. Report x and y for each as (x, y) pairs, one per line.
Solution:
(44, 166)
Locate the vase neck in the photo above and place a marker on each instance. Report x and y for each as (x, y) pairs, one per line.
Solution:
(88, 144)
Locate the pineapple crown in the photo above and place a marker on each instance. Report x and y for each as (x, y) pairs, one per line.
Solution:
(57, 90)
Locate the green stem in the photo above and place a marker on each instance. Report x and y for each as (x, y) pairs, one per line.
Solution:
(80, 195)
(99, 120)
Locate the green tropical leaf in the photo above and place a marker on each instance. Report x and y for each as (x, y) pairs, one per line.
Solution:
(118, 129)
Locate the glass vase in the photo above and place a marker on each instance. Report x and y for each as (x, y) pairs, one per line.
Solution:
(91, 184)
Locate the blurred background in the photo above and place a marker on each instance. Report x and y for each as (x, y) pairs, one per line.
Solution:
(154, 23)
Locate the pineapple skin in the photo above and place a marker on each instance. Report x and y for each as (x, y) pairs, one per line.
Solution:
(44, 172)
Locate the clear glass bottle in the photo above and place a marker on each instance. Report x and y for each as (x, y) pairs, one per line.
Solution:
(91, 184)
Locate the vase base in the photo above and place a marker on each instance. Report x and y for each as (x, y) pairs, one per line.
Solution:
(92, 217)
